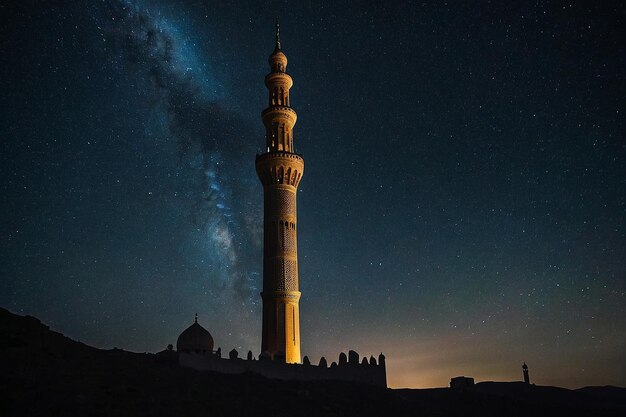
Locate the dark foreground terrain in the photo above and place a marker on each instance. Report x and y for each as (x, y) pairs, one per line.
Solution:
(43, 373)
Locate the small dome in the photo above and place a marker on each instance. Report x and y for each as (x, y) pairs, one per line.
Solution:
(278, 61)
(195, 338)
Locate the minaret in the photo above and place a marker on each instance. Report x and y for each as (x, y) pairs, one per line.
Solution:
(280, 169)
(525, 371)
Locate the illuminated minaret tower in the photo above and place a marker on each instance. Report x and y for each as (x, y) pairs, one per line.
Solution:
(280, 169)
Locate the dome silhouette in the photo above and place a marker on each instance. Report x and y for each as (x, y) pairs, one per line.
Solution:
(195, 338)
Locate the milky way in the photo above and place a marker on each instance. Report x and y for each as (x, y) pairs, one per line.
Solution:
(179, 83)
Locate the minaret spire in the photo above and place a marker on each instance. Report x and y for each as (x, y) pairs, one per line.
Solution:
(280, 170)
(277, 34)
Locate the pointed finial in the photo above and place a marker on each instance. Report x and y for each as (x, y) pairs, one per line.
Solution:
(196, 319)
(277, 34)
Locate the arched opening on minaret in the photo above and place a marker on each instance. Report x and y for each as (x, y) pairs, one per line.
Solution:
(281, 174)
(293, 324)
(282, 137)
(282, 235)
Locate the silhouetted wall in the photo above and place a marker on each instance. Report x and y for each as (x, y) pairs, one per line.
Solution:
(366, 372)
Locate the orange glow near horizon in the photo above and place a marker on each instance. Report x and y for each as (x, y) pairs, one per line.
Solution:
(431, 363)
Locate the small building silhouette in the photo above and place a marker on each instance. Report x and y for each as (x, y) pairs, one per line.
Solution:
(462, 383)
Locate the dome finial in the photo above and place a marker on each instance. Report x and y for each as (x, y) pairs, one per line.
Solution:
(277, 34)
(196, 319)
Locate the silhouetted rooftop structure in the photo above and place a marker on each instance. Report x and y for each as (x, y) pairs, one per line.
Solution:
(462, 383)
(195, 338)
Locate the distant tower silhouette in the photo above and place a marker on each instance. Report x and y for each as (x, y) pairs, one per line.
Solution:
(525, 370)
(280, 169)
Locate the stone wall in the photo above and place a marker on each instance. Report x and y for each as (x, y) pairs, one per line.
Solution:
(346, 369)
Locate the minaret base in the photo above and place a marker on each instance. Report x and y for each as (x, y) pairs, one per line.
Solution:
(281, 325)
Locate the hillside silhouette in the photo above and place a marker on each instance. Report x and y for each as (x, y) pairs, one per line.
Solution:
(44, 373)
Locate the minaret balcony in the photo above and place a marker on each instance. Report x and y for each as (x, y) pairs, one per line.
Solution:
(281, 168)
(276, 113)
(279, 109)
(278, 78)
(279, 155)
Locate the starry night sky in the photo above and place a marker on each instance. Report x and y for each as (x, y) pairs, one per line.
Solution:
(462, 208)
